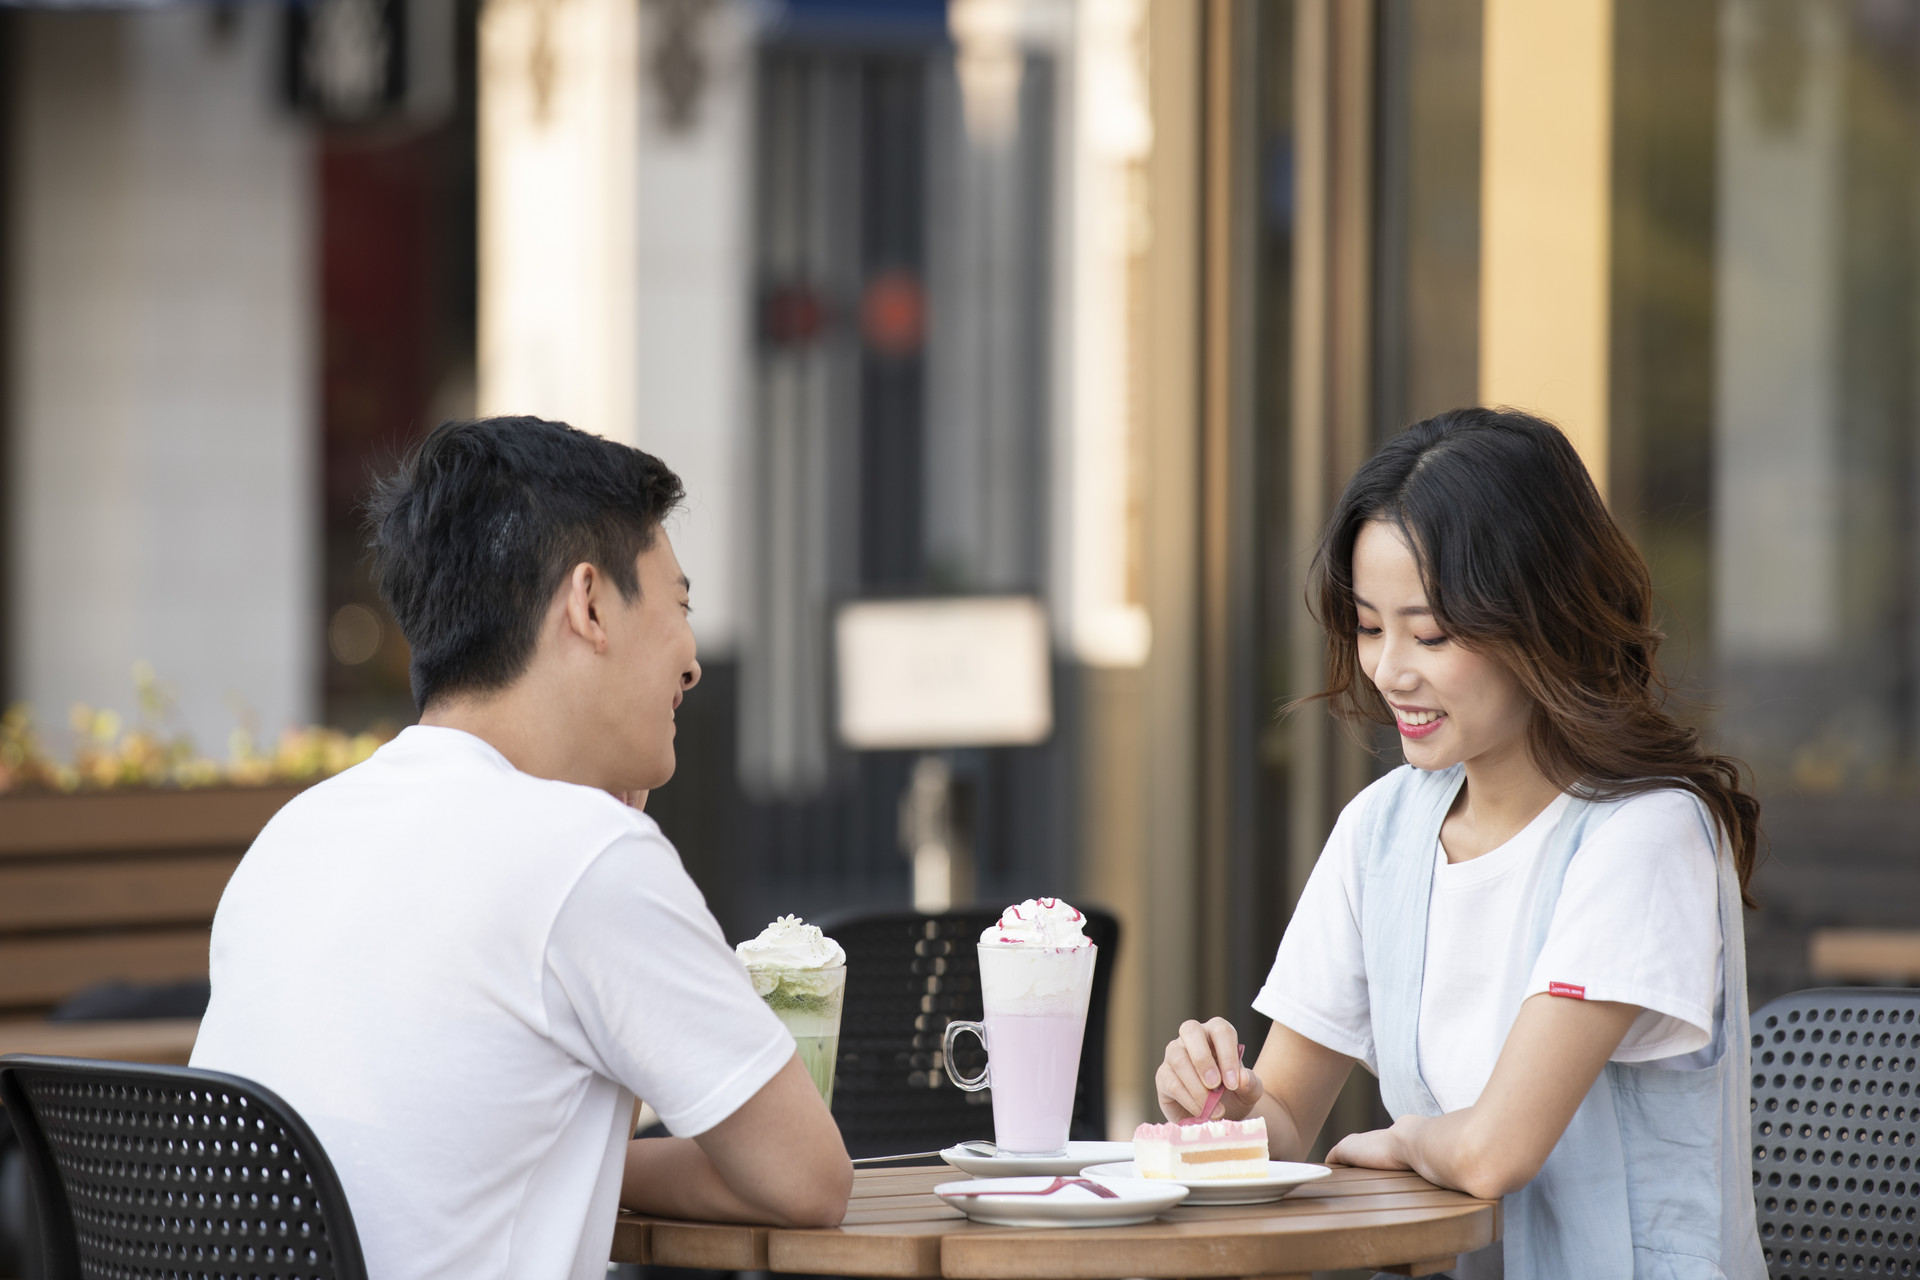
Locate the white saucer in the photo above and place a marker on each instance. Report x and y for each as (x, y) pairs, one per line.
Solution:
(969, 1159)
(1282, 1177)
(1135, 1200)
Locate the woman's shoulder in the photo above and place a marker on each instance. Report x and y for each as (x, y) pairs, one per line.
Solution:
(1670, 818)
(1663, 809)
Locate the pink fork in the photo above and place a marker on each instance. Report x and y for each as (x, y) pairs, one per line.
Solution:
(1213, 1099)
(1105, 1193)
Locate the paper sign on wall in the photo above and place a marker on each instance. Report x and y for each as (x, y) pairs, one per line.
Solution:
(956, 672)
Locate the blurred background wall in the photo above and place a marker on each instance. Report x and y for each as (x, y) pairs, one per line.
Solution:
(1094, 302)
(161, 316)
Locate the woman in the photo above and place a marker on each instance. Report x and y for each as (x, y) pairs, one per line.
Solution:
(1531, 933)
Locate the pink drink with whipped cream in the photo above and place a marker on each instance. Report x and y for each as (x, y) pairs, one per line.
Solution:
(1036, 974)
(1036, 1063)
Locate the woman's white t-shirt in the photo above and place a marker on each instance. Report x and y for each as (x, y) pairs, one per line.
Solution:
(1637, 922)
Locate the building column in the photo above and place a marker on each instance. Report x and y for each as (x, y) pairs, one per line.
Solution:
(1545, 216)
(1332, 355)
(692, 352)
(559, 152)
(1125, 502)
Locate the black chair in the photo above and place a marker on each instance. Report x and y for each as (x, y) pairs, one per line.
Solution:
(107, 1000)
(154, 1173)
(1836, 1132)
(908, 976)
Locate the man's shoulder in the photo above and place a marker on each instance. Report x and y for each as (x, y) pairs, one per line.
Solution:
(457, 803)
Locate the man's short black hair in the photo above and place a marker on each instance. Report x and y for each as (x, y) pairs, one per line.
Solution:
(479, 527)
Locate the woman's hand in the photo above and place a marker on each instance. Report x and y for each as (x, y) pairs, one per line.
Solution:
(1378, 1148)
(1204, 1058)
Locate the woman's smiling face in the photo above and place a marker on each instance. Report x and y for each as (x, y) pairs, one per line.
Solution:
(1450, 703)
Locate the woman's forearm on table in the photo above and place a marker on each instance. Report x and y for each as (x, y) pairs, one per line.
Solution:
(1456, 1150)
(1285, 1137)
(1552, 1056)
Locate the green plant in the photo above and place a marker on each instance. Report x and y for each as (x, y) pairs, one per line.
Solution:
(156, 752)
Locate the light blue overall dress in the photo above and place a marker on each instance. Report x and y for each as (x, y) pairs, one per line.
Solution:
(1653, 1177)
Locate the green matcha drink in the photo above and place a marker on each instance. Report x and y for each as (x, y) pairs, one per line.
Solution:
(802, 975)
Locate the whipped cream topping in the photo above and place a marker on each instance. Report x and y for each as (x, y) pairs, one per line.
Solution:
(791, 943)
(1039, 922)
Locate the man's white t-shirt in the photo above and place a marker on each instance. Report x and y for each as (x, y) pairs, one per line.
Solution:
(461, 976)
(1637, 922)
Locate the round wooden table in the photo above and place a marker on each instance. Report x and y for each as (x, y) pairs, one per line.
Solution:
(895, 1226)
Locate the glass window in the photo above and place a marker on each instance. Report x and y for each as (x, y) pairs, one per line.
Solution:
(1766, 234)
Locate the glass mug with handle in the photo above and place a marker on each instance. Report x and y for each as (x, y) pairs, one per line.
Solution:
(1035, 997)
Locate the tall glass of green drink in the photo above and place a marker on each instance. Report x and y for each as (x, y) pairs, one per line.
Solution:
(802, 975)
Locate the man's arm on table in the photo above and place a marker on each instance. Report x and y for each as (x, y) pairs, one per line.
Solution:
(778, 1159)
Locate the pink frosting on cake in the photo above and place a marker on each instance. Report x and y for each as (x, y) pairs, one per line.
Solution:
(1196, 1148)
(1194, 1129)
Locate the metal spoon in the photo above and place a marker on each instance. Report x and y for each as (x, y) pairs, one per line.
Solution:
(974, 1146)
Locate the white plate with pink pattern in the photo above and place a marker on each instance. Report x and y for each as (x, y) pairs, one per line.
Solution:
(1282, 1177)
(1061, 1201)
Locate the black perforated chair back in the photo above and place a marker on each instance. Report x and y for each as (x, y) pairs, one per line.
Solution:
(161, 1173)
(1836, 1169)
(908, 976)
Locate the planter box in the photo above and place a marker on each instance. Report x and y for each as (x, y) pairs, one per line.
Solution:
(116, 885)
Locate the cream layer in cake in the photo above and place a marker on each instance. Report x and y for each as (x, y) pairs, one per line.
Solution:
(1202, 1149)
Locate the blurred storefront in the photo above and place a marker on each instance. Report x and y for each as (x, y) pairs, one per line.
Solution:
(239, 279)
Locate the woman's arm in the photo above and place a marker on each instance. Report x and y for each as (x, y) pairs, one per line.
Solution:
(1292, 1086)
(1550, 1060)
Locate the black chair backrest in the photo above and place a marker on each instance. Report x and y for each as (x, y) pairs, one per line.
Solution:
(142, 1172)
(1836, 1114)
(908, 976)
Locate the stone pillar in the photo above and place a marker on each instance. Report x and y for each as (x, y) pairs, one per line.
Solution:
(559, 150)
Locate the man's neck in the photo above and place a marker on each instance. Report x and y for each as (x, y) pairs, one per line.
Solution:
(522, 724)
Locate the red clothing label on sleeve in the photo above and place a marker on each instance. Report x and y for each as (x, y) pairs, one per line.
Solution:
(1567, 989)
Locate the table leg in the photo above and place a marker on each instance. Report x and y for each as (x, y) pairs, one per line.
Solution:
(1432, 1266)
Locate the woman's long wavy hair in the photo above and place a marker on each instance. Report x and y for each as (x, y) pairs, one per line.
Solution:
(1521, 562)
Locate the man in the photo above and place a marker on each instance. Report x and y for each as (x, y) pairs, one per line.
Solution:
(462, 960)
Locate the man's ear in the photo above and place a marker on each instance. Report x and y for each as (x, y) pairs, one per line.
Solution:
(584, 603)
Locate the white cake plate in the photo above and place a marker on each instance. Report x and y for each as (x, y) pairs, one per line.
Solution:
(1135, 1200)
(1282, 1177)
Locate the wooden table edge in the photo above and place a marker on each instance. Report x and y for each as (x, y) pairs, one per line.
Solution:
(1387, 1239)
(712, 1246)
(1439, 1232)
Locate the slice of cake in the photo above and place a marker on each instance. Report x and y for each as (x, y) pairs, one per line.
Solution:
(1197, 1149)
